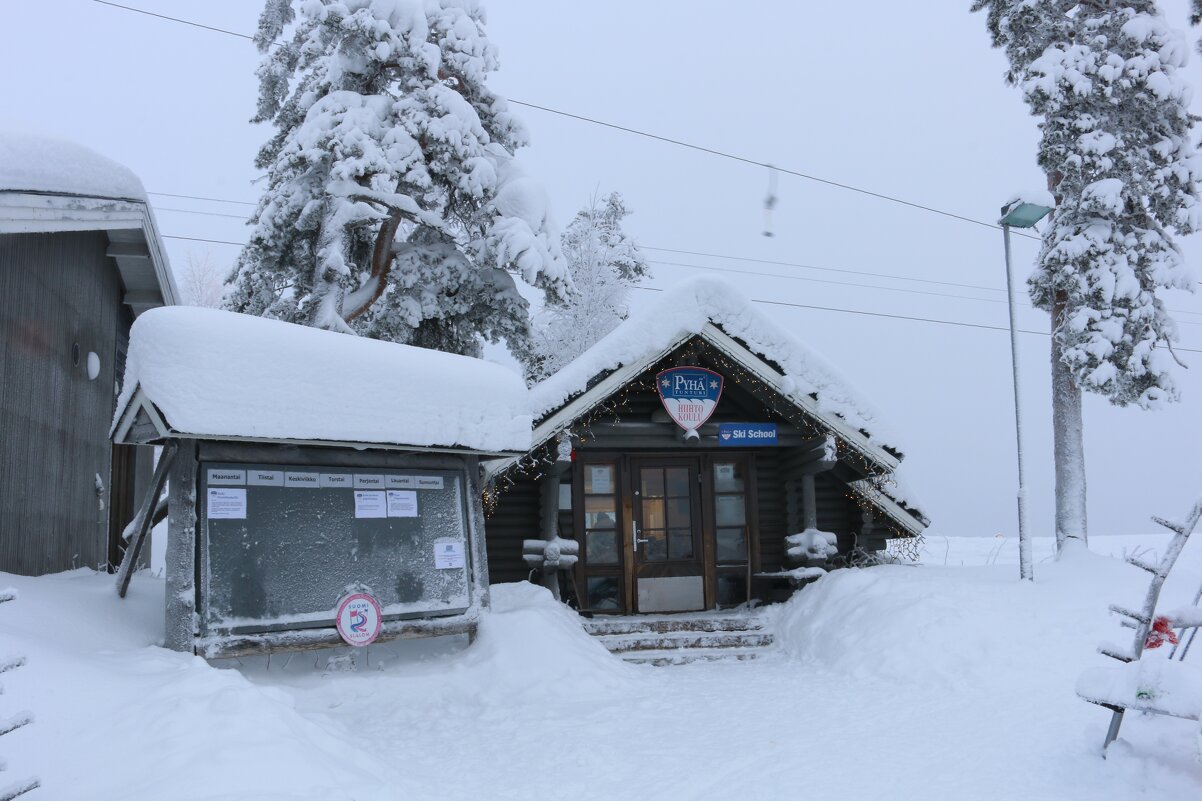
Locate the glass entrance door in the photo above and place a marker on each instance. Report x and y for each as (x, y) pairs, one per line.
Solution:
(665, 534)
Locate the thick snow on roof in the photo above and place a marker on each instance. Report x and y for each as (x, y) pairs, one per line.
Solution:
(34, 162)
(685, 310)
(221, 374)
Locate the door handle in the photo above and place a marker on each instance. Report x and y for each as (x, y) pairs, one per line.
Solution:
(634, 535)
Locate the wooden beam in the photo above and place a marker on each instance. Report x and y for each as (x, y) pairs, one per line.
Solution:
(143, 298)
(232, 645)
(128, 250)
(135, 533)
(475, 534)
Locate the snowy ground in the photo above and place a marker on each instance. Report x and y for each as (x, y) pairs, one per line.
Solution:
(944, 681)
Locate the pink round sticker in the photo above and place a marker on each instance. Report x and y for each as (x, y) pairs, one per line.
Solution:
(359, 619)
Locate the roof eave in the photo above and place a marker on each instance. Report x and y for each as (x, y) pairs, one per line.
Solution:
(163, 430)
(912, 522)
(593, 396)
(25, 212)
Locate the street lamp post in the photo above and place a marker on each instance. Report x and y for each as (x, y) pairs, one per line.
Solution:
(1019, 214)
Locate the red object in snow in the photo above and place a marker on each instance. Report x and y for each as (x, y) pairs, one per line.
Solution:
(1162, 632)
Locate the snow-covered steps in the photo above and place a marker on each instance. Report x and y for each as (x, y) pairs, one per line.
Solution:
(681, 639)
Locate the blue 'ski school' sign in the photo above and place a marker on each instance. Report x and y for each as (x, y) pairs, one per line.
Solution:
(742, 435)
(690, 394)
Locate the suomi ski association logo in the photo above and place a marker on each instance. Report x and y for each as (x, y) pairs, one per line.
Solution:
(359, 619)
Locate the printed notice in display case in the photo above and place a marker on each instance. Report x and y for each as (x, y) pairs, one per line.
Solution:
(370, 503)
(280, 546)
(226, 504)
(448, 555)
(402, 503)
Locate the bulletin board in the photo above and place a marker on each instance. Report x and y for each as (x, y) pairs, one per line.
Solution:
(281, 544)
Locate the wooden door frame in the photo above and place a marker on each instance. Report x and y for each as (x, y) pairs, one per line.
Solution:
(624, 463)
(695, 462)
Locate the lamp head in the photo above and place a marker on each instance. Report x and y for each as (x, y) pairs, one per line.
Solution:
(1020, 214)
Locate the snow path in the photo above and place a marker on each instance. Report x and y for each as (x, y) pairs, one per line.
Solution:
(899, 682)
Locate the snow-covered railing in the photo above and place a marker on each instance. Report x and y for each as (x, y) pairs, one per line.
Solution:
(1161, 687)
(551, 555)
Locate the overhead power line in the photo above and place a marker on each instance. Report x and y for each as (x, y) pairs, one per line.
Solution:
(175, 19)
(823, 269)
(210, 199)
(837, 309)
(896, 316)
(205, 213)
(648, 135)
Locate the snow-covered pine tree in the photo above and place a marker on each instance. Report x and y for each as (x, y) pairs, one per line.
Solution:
(603, 262)
(1102, 77)
(393, 206)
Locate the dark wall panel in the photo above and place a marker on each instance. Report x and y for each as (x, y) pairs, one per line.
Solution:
(56, 291)
(515, 518)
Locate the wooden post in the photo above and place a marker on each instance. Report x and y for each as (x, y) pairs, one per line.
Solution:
(475, 532)
(549, 510)
(809, 504)
(142, 522)
(181, 551)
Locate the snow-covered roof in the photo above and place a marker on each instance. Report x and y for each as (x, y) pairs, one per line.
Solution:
(216, 374)
(33, 162)
(48, 185)
(726, 319)
(689, 309)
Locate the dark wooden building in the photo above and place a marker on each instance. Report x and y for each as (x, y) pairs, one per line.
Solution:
(641, 514)
(80, 257)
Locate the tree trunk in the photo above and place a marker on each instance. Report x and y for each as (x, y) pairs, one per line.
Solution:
(1068, 442)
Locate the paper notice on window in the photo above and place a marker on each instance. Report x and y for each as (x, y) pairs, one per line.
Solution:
(602, 480)
(226, 504)
(370, 504)
(402, 503)
(448, 555)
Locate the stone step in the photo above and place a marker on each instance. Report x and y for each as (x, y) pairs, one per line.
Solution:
(685, 656)
(679, 640)
(638, 625)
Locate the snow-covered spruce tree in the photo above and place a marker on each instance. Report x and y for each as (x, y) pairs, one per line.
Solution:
(393, 206)
(1102, 77)
(603, 263)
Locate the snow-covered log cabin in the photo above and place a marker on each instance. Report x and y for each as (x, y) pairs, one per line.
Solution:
(309, 468)
(698, 457)
(80, 258)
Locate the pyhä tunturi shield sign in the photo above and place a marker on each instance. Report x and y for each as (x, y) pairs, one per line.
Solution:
(690, 394)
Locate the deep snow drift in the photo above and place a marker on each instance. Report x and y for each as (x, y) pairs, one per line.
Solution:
(939, 681)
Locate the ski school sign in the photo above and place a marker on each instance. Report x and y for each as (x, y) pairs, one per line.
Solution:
(689, 394)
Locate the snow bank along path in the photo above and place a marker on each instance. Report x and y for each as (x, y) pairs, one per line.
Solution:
(928, 683)
(221, 374)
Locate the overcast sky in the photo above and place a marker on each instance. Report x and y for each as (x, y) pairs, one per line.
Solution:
(899, 99)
